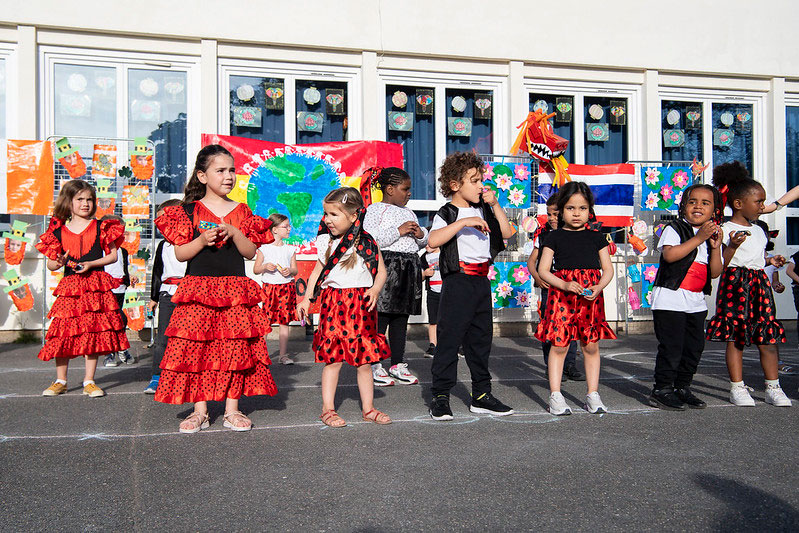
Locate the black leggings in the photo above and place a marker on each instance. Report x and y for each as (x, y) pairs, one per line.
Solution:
(397, 325)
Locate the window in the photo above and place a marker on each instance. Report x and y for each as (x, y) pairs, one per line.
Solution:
(416, 133)
(3, 78)
(97, 95)
(682, 130)
(562, 123)
(732, 133)
(608, 145)
(264, 100)
(792, 169)
(481, 139)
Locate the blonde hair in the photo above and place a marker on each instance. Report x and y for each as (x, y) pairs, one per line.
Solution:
(63, 204)
(350, 200)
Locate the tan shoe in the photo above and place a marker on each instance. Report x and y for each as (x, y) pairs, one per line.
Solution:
(55, 389)
(93, 391)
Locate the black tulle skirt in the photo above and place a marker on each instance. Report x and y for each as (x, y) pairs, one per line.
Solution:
(402, 293)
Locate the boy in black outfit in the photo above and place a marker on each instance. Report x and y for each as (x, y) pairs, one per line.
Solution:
(469, 230)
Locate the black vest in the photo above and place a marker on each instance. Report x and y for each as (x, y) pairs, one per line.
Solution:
(449, 261)
(212, 261)
(671, 275)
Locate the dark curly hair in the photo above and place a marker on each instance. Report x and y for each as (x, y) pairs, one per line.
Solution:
(569, 190)
(391, 176)
(195, 190)
(454, 169)
(718, 209)
(736, 178)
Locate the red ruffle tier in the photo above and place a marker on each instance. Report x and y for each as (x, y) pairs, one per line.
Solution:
(347, 331)
(280, 303)
(85, 318)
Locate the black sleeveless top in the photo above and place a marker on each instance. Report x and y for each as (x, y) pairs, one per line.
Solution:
(212, 260)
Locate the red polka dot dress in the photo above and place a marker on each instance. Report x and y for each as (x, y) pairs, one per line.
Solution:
(280, 300)
(347, 330)
(85, 315)
(215, 348)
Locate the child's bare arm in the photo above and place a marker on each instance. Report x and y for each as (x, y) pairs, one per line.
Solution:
(258, 268)
(441, 236)
(790, 270)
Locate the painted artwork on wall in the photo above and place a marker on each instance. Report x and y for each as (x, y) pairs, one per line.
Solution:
(510, 284)
(649, 271)
(136, 201)
(662, 187)
(510, 182)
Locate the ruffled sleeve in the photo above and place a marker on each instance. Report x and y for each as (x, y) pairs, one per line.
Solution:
(112, 232)
(48, 244)
(175, 225)
(257, 229)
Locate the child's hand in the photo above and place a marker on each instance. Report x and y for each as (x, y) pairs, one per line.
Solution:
(475, 222)
(86, 265)
(302, 310)
(489, 196)
(152, 305)
(778, 287)
(573, 286)
(409, 228)
(595, 291)
(210, 235)
(777, 261)
(226, 231)
(737, 238)
(715, 239)
(543, 284)
(270, 267)
(284, 271)
(61, 260)
(371, 297)
(707, 230)
(428, 273)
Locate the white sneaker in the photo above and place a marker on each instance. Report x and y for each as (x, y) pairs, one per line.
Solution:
(380, 376)
(740, 396)
(557, 405)
(401, 373)
(594, 405)
(776, 397)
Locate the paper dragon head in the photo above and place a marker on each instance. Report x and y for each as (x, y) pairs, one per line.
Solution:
(538, 139)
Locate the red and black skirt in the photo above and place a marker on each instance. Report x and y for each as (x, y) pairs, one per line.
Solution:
(570, 317)
(85, 318)
(347, 331)
(216, 348)
(280, 303)
(745, 312)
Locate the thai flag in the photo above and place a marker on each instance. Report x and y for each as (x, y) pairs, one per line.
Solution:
(613, 187)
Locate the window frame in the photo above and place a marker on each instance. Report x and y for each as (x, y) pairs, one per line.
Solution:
(290, 73)
(791, 100)
(578, 91)
(8, 53)
(440, 82)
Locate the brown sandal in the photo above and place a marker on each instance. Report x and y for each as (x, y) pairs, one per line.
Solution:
(331, 419)
(196, 422)
(377, 417)
(233, 417)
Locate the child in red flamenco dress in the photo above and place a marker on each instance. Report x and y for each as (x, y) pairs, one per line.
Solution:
(85, 316)
(216, 349)
(575, 307)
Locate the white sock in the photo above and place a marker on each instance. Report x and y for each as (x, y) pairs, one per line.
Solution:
(61, 381)
(88, 381)
(772, 383)
(737, 384)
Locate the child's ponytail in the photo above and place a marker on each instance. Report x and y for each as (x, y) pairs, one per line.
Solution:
(733, 181)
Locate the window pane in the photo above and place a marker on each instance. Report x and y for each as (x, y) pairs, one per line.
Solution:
(157, 110)
(686, 130)
(247, 91)
(614, 149)
(481, 139)
(732, 133)
(418, 143)
(85, 101)
(2, 99)
(792, 238)
(563, 129)
(334, 118)
(792, 148)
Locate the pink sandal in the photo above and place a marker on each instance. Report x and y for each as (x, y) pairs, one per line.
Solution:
(377, 417)
(331, 419)
(194, 423)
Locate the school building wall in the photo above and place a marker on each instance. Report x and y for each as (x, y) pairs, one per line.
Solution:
(646, 53)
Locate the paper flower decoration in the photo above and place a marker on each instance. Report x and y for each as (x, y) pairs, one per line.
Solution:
(504, 179)
(489, 173)
(76, 82)
(666, 192)
(523, 299)
(504, 289)
(639, 228)
(516, 196)
(652, 176)
(520, 274)
(650, 272)
(522, 172)
(245, 92)
(311, 95)
(680, 179)
(492, 273)
(399, 99)
(651, 200)
(503, 182)
(148, 87)
(511, 286)
(678, 198)
(458, 104)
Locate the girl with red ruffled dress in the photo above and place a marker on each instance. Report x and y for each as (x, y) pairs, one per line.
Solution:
(215, 349)
(349, 275)
(575, 307)
(85, 316)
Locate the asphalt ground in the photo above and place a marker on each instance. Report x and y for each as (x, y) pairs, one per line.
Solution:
(118, 463)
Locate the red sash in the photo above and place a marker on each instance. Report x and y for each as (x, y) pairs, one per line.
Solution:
(474, 269)
(696, 278)
(172, 281)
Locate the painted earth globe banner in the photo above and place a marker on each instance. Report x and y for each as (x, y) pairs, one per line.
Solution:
(294, 179)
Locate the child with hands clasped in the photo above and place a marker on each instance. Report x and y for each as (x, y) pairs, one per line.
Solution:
(277, 264)
(745, 312)
(575, 306)
(348, 277)
(216, 349)
(86, 317)
(690, 258)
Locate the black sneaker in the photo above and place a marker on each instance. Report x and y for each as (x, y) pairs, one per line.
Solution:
(439, 408)
(666, 399)
(487, 404)
(431, 351)
(688, 398)
(571, 372)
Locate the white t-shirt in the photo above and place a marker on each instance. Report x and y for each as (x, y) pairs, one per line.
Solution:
(683, 300)
(435, 279)
(382, 221)
(280, 256)
(117, 270)
(473, 244)
(172, 268)
(752, 252)
(340, 277)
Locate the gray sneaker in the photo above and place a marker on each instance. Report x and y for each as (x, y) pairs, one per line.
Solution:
(111, 360)
(594, 405)
(557, 405)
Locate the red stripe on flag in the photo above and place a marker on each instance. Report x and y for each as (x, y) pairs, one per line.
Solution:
(601, 170)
